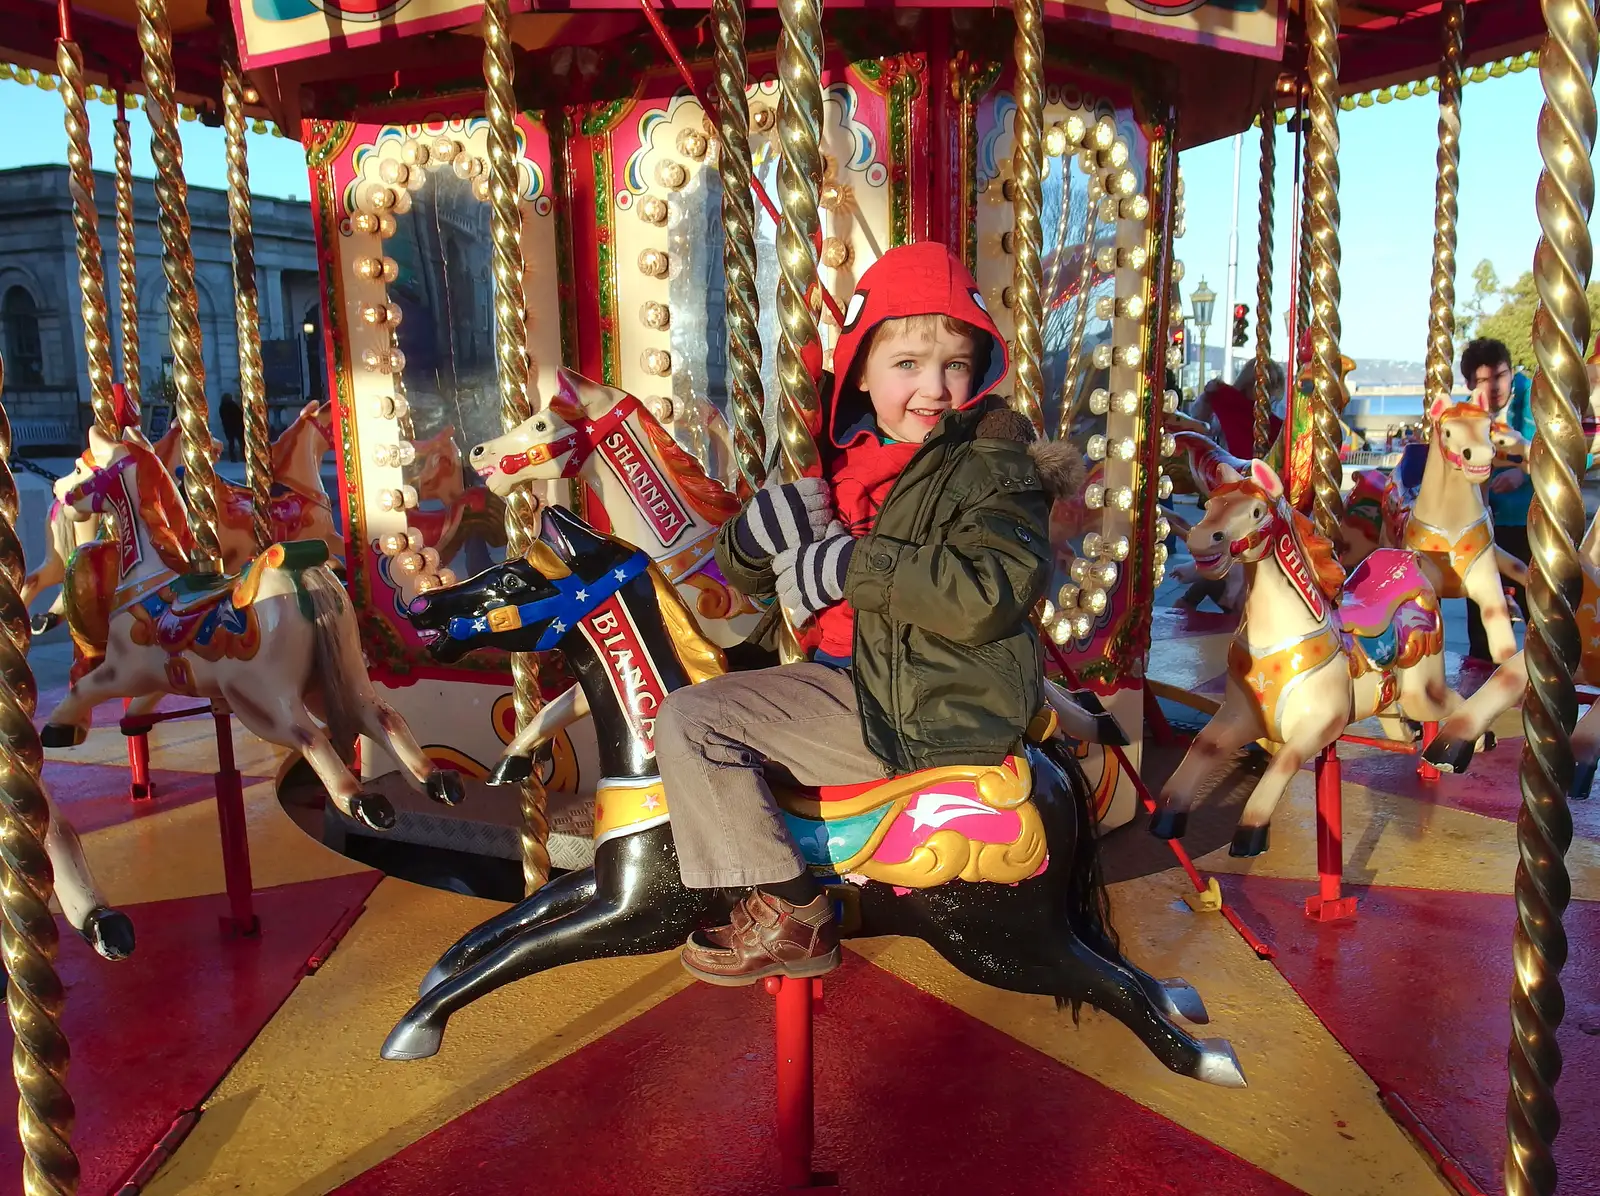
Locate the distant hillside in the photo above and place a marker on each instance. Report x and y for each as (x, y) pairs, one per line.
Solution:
(1377, 372)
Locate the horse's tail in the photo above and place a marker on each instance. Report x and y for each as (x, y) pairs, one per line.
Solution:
(341, 672)
(1082, 881)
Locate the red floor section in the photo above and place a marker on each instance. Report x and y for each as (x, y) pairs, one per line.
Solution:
(153, 1035)
(1490, 789)
(1416, 989)
(96, 795)
(914, 1098)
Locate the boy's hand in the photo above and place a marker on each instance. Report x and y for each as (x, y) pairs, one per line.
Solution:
(784, 517)
(811, 578)
(1507, 482)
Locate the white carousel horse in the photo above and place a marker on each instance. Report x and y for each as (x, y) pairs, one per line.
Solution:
(1447, 523)
(1313, 652)
(1452, 749)
(655, 494)
(269, 641)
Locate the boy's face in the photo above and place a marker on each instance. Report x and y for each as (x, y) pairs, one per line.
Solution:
(913, 378)
(1496, 383)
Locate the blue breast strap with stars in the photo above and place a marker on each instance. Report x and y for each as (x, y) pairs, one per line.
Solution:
(574, 600)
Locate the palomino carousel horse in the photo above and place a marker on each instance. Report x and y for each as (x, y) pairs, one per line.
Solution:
(1452, 749)
(655, 494)
(995, 867)
(450, 514)
(1446, 523)
(1313, 652)
(266, 641)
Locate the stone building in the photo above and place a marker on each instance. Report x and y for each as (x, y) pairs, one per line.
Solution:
(41, 327)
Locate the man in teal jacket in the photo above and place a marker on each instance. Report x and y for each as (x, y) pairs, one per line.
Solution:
(1509, 491)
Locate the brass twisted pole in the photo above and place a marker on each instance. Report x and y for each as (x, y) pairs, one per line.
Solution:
(1303, 276)
(1442, 304)
(799, 177)
(745, 394)
(127, 261)
(511, 360)
(1269, 164)
(1080, 320)
(1027, 199)
(34, 994)
(246, 304)
(177, 263)
(86, 224)
(1562, 265)
(1322, 192)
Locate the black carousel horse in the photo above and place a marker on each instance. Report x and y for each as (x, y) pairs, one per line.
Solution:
(1048, 933)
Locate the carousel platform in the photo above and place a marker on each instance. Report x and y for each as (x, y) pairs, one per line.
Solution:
(1374, 1048)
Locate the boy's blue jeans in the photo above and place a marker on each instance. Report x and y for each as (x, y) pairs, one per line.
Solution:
(715, 741)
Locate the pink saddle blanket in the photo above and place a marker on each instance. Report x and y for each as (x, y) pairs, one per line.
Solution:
(1377, 589)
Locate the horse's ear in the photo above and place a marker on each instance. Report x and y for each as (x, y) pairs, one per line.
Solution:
(570, 537)
(1480, 396)
(1266, 477)
(100, 446)
(1437, 408)
(310, 410)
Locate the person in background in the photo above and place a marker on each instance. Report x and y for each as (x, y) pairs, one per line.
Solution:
(232, 416)
(1486, 363)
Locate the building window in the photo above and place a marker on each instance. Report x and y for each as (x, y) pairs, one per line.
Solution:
(24, 354)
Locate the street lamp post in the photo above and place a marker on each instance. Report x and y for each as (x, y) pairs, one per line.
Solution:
(1204, 300)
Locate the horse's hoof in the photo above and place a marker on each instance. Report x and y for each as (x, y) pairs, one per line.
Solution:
(1088, 702)
(109, 932)
(413, 1038)
(62, 735)
(46, 622)
(1489, 741)
(1449, 755)
(1582, 782)
(1110, 730)
(1169, 824)
(1183, 1000)
(511, 770)
(1249, 840)
(372, 810)
(1218, 1064)
(444, 786)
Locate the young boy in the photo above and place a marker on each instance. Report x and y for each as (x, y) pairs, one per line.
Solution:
(1487, 363)
(914, 568)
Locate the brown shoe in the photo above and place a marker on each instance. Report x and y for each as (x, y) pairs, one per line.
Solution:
(766, 937)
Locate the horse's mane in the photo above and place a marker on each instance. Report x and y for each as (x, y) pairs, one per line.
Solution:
(1319, 553)
(166, 519)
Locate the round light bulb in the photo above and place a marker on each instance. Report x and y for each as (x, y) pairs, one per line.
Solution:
(1169, 401)
(408, 496)
(1080, 570)
(1123, 499)
(1128, 402)
(1119, 549)
(409, 563)
(447, 577)
(1164, 487)
(1163, 528)
(1099, 401)
(1092, 544)
(1075, 128)
(425, 583)
(1047, 612)
(653, 210)
(364, 222)
(1105, 307)
(1131, 356)
(1161, 554)
(1177, 271)
(392, 544)
(1105, 133)
(414, 539)
(1082, 625)
(1102, 357)
(1169, 444)
(1095, 602)
(1125, 448)
(430, 559)
(1094, 496)
(1132, 307)
(1068, 597)
(406, 452)
(1060, 631)
(1105, 573)
(1106, 259)
(1136, 207)
(1096, 448)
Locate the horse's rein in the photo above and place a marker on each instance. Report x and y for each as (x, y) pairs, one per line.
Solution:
(579, 441)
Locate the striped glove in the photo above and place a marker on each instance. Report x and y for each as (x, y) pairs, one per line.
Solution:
(811, 578)
(784, 517)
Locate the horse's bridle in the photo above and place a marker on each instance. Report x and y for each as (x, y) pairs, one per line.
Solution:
(1262, 532)
(575, 599)
(580, 441)
(98, 483)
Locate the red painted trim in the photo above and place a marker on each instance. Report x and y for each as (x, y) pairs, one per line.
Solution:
(1383, 745)
(1252, 940)
(335, 936)
(133, 1183)
(1453, 1171)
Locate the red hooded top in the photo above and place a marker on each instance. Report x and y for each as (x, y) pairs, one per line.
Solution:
(913, 280)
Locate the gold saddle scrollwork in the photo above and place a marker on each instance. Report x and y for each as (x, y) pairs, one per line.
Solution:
(906, 814)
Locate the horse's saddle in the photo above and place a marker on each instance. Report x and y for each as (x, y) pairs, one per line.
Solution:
(975, 823)
(194, 593)
(1388, 608)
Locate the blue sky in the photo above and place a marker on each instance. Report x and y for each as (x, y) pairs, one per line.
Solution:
(1386, 165)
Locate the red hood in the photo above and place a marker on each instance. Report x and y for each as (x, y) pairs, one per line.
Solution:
(911, 280)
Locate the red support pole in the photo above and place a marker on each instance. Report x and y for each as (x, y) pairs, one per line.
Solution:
(796, 1096)
(139, 785)
(1426, 771)
(241, 918)
(1329, 905)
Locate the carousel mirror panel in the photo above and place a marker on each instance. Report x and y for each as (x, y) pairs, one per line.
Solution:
(403, 212)
(1096, 333)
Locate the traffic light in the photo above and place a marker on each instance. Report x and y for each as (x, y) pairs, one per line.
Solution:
(1241, 335)
(1177, 337)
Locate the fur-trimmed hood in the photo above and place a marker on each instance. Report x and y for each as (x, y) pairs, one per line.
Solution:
(1061, 466)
